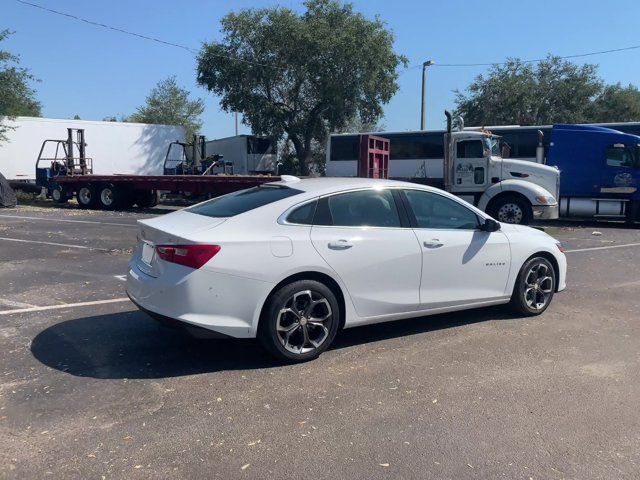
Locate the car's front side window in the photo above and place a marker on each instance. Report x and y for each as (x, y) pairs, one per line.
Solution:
(362, 208)
(432, 210)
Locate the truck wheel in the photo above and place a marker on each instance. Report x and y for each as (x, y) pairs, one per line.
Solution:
(146, 198)
(109, 197)
(511, 209)
(59, 195)
(86, 196)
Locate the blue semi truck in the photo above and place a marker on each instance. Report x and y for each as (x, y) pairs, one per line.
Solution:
(599, 171)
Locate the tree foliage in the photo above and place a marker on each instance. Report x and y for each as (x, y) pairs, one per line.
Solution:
(551, 91)
(616, 104)
(17, 97)
(169, 104)
(301, 75)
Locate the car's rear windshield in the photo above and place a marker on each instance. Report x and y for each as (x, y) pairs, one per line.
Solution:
(243, 201)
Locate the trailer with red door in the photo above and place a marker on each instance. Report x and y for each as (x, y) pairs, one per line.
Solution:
(69, 173)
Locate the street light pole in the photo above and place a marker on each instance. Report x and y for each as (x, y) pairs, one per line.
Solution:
(426, 64)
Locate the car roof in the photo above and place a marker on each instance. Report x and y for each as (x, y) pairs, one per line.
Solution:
(324, 185)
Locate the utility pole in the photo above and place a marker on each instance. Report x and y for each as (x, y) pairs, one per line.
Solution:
(426, 64)
(235, 114)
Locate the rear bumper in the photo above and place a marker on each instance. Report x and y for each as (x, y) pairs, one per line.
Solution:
(169, 322)
(546, 212)
(225, 304)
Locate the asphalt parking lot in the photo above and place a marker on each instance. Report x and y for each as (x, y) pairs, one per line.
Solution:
(92, 388)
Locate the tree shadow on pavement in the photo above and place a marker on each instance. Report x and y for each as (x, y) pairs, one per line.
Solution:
(131, 345)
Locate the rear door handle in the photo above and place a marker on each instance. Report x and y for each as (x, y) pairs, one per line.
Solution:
(340, 245)
(433, 243)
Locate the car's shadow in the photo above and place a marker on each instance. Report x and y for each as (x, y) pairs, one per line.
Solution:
(131, 345)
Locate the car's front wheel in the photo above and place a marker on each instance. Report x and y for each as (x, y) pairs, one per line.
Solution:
(300, 321)
(534, 287)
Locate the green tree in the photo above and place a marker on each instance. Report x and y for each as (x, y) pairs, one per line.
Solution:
(301, 75)
(17, 97)
(551, 91)
(616, 104)
(169, 104)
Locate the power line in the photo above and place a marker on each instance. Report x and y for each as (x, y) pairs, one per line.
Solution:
(144, 37)
(97, 24)
(536, 60)
(195, 52)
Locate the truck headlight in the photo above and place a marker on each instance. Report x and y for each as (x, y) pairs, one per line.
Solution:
(546, 200)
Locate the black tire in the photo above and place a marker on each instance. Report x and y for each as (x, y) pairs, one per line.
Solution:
(110, 197)
(534, 288)
(280, 312)
(86, 196)
(59, 195)
(146, 198)
(511, 209)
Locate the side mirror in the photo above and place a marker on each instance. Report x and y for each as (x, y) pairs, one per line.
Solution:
(490, 225)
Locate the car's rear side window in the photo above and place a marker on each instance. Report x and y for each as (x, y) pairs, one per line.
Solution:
(243, 201)
(303, 215)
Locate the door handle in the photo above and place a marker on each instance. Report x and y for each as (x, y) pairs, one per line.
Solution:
(433, 243)
(340, 245)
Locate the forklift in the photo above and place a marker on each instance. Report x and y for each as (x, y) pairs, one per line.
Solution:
(68, 159)
(190, 158)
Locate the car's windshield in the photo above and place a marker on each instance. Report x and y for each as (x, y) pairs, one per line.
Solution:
(243, 201)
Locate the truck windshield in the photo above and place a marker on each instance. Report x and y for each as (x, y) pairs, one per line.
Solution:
(492, 144)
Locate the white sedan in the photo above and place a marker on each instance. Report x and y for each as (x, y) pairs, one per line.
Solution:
(293, 262)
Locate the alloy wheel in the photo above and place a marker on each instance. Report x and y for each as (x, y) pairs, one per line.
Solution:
(538, 286)
(304, 322)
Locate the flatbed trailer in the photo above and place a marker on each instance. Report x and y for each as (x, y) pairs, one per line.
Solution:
(121, 191)
(69, 173)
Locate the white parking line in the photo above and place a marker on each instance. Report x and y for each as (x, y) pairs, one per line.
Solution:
(14, 304)
(602, 248)
(64, 305)
(54, 244)
(69, 221)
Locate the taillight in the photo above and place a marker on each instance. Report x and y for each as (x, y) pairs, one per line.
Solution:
(560, 247)
(193, 256)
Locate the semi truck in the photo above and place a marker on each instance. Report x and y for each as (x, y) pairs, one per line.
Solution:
(600, 170)
(598, 163)
(471, 166)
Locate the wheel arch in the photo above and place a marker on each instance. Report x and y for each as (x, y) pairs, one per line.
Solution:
(488, 205)
(310, 275)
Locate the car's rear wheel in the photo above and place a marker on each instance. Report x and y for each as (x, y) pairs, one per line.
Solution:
(534, 287)
(300, 321)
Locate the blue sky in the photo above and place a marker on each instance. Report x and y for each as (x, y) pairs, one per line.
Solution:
(93, 72)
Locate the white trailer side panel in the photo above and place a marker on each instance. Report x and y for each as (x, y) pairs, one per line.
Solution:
(115, 147)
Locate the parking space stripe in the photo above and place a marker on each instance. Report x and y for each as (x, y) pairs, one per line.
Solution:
(54, 244)
(70, 221)
(14, 304)
(64, 305)
(602, 248)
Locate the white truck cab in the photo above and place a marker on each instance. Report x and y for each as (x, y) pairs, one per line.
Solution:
(510, 190)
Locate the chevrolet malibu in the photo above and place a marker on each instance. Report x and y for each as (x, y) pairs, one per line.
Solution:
(293, 262)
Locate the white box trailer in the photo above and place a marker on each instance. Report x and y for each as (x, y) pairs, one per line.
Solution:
(115, 147)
